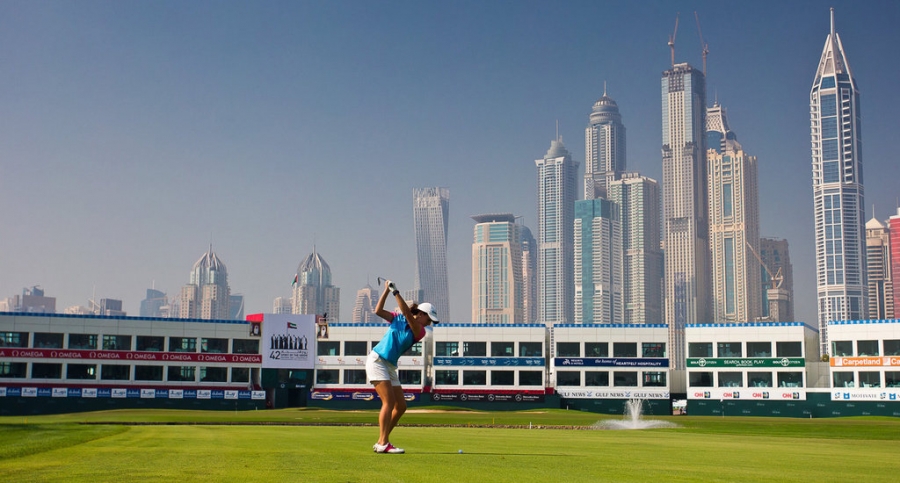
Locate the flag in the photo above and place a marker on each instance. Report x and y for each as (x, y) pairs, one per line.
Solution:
(296, 280)
(292, 325)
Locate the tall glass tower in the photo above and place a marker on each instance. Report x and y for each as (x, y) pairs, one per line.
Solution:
(734, 223)
(207, 296)
(556, 215)
(598, 262)
(313, 292)
(838, 195)
(431, 210)
(497, 284)
(604, 145)
(685, 207)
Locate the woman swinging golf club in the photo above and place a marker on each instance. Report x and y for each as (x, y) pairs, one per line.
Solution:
(407, 327)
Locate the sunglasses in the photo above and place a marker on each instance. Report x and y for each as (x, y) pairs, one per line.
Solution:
(415, 311)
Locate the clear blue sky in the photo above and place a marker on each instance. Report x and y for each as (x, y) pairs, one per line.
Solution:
(134, 134)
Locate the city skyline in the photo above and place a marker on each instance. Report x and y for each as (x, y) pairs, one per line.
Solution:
(111, 137)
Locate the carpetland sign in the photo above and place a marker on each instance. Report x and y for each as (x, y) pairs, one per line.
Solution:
(749, 394)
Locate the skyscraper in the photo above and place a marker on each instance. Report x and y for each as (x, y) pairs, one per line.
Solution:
(838, 194)
(364, 308)
(529, 276)
(153, 304)
(734, 223)
(775, 254)
(281, 305)
(878, 265)
(431, 211)
(497, 285)
(604, 146)
(598, 262)
(556, 215)
(894, 228)
(208, 295)
(313, 292)
(642, 265)
(685, 207)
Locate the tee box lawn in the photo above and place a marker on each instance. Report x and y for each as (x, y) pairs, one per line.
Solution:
(313, 445)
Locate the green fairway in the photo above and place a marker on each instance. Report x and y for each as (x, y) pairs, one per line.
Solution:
(257, 446)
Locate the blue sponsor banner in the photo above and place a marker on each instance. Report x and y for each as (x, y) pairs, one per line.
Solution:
(489, 361)
(132, 393)
(162, 394)
(610, 362)
(74, 392)
(104, 392)
(44, 392)
(190, 394)
(13, 391)
(217, 394)
(244, 394)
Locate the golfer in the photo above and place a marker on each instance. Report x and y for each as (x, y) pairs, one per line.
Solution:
(407, 328)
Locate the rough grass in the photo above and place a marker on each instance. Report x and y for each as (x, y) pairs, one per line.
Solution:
(54, 448)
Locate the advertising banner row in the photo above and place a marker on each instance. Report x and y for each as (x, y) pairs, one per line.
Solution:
(130, 393)
(500, 396)
(610, 362)
(104, 355)
(613, 394)
(872, 394)
(887, 361)
(756, 393)
(490, 361)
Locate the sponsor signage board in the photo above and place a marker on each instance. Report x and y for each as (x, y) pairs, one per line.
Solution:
(750, 362)
(489, 361)
(755, 393)
(104, 355)
(870, 394)
(516, 397)
(610, 362)
(892, 361)
(613, 394)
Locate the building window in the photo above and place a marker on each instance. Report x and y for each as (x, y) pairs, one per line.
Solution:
(596, 378)
(596, 349)
(788, 349)
(842, 379)
(474, 378)
(864, 348)
(653, 349)
(892, 347)
(568, 378)
(869, 379)
(214, 346)
(355, 376)
(531, 349)
(46, 371)
(731, 379)
(446, 349)
(182, 344)
(240, 374)
(842, 348)
(446, 378)
(213, 374)
(502, 349)
(245, 346)
(13, 370)
(625, 379)
(81, 371)
(891, 379)
(115, 372)
(148, 373)
(83, 341)
(149, 343)
(625, 349)
(700, 379)
(412, 378)
(700, 349)
(47, 341)
(759, 349)
(13, 339)
(503, 378)
(790, 379)
(654, 379)
(415, 350)
(729, 349)
(117, 342)
(327, 376)
(182, 373)
(759, 379)
(356, 348)
(531, 378)
(474, 349)
(328, 348)
(568, 349)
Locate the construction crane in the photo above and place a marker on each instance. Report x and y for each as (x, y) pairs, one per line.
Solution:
(777, 279)
(703, 46)
(672, 40)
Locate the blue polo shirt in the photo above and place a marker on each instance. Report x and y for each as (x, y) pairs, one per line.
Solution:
(398, 339)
